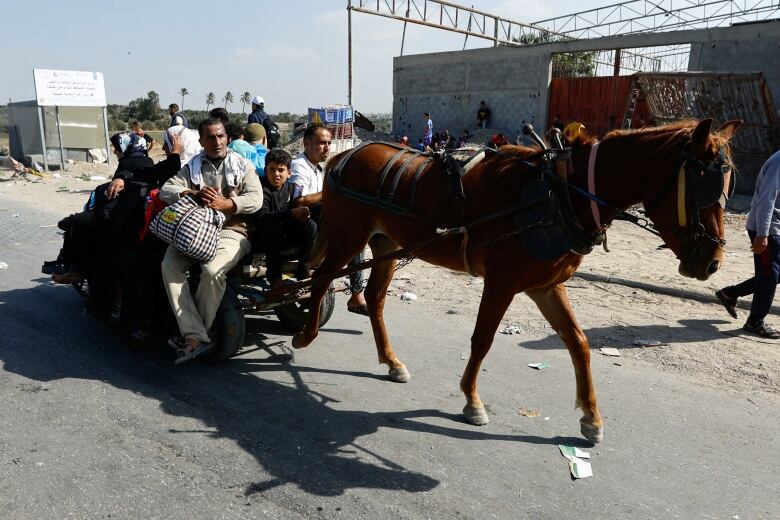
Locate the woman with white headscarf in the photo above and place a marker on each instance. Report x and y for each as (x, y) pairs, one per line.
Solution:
(190, 141)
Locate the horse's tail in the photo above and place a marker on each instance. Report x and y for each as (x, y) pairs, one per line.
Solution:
(320, 244)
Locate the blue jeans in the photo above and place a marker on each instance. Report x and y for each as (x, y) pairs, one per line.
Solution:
(762, 286)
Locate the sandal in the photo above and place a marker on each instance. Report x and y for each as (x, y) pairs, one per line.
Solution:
(176, 343)
(185, 355)
(761, 329)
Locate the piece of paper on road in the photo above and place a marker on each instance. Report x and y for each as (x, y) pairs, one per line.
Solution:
(580, 468)
(539, 366)
(572, 453)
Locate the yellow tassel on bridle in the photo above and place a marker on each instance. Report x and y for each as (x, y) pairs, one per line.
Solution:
(682, 218)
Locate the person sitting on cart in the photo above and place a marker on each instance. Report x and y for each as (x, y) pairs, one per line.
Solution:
(223, 181)
(280, 222)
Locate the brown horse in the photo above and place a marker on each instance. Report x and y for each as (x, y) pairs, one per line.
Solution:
(677, 172)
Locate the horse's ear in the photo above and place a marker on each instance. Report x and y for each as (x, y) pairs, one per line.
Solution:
(729, 128)
(701, 136)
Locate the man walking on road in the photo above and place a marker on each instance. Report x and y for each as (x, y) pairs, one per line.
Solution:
(763, 226)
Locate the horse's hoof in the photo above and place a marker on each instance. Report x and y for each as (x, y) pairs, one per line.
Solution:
(476, 416)
(299, 341)
(594, 434)
(400, 375)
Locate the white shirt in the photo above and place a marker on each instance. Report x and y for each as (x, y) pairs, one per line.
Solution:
(307, 175)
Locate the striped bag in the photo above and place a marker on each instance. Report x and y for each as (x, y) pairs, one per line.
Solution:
(190, 228)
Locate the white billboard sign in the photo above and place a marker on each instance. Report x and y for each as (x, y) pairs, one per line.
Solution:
(69, 88)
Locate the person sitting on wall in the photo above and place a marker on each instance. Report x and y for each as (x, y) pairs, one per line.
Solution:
(483, 115)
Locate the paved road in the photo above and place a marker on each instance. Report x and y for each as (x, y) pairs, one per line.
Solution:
(94, 426)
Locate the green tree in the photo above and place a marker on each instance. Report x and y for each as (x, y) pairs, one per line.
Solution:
(228, 98)
(210, 100)
(246, 97)
(183, 92)
(564, 64)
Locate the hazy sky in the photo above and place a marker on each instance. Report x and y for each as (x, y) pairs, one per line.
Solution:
(293, 53)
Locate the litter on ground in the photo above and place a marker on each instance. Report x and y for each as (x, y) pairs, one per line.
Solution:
(647, 343)
(526, 412)
(610, 351)
(578, 467)
(408, 296)
(539, 366)
(511, 329)
(3, 265)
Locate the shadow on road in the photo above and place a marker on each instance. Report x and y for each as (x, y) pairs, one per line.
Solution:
(622, 336)
(288, 427)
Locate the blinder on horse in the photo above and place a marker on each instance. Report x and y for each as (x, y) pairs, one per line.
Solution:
(710, 182)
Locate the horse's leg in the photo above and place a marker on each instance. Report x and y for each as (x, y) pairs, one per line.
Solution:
(496, 297)
(338, 255)
(554, 304)
(376, 292)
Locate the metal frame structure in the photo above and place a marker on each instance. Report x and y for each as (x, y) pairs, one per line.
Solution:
(639, 16)
(449, 16)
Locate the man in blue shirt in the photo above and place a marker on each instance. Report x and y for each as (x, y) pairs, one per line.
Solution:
(258, 114)
(763, 226)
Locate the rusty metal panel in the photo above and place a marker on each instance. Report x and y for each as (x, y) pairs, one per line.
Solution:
(681, 95)
(598, 103)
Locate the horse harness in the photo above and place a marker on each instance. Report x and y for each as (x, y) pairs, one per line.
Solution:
(544, 218)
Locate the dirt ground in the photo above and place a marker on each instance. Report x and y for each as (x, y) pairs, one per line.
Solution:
(624, 297)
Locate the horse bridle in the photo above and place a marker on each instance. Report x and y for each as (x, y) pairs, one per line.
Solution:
(709, 182)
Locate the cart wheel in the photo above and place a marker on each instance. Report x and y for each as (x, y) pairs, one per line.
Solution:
(295, 315)
(228, 330)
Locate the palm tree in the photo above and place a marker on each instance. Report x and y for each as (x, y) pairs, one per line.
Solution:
(210, 100)
(183, 92)
(245, 98)
(228, 98)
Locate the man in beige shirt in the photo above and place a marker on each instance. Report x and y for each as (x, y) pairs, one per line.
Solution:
(224, 181)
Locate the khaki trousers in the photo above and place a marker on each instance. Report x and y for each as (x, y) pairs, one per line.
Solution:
(196, 316)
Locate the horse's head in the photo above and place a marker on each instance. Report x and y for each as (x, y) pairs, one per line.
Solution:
(686, 204)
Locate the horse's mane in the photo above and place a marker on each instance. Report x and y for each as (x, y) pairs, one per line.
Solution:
(672, 134)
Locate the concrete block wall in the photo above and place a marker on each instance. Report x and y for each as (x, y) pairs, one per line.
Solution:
(758, 53)
(449, 85)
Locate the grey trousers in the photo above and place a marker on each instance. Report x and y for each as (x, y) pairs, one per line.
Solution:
(195, 316)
